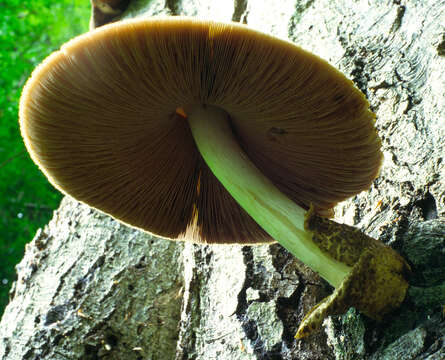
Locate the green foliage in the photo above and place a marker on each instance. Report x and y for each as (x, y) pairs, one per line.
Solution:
(29, 31)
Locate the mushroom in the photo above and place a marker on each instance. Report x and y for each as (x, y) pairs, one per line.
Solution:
(216, 133)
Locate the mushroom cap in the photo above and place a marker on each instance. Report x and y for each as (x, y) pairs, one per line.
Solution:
(99, 118)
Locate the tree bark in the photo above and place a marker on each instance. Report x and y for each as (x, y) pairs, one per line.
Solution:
(91, 288)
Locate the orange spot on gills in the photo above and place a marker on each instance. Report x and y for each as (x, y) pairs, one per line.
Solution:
(181, 112)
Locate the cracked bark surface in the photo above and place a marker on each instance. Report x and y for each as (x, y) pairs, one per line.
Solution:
(91, 288)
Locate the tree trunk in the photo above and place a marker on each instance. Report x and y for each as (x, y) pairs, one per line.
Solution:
(91, 288)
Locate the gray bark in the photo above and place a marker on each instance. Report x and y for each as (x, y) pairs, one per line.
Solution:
(89, 287)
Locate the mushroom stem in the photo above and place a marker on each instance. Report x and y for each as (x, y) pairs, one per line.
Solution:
(279, 216)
